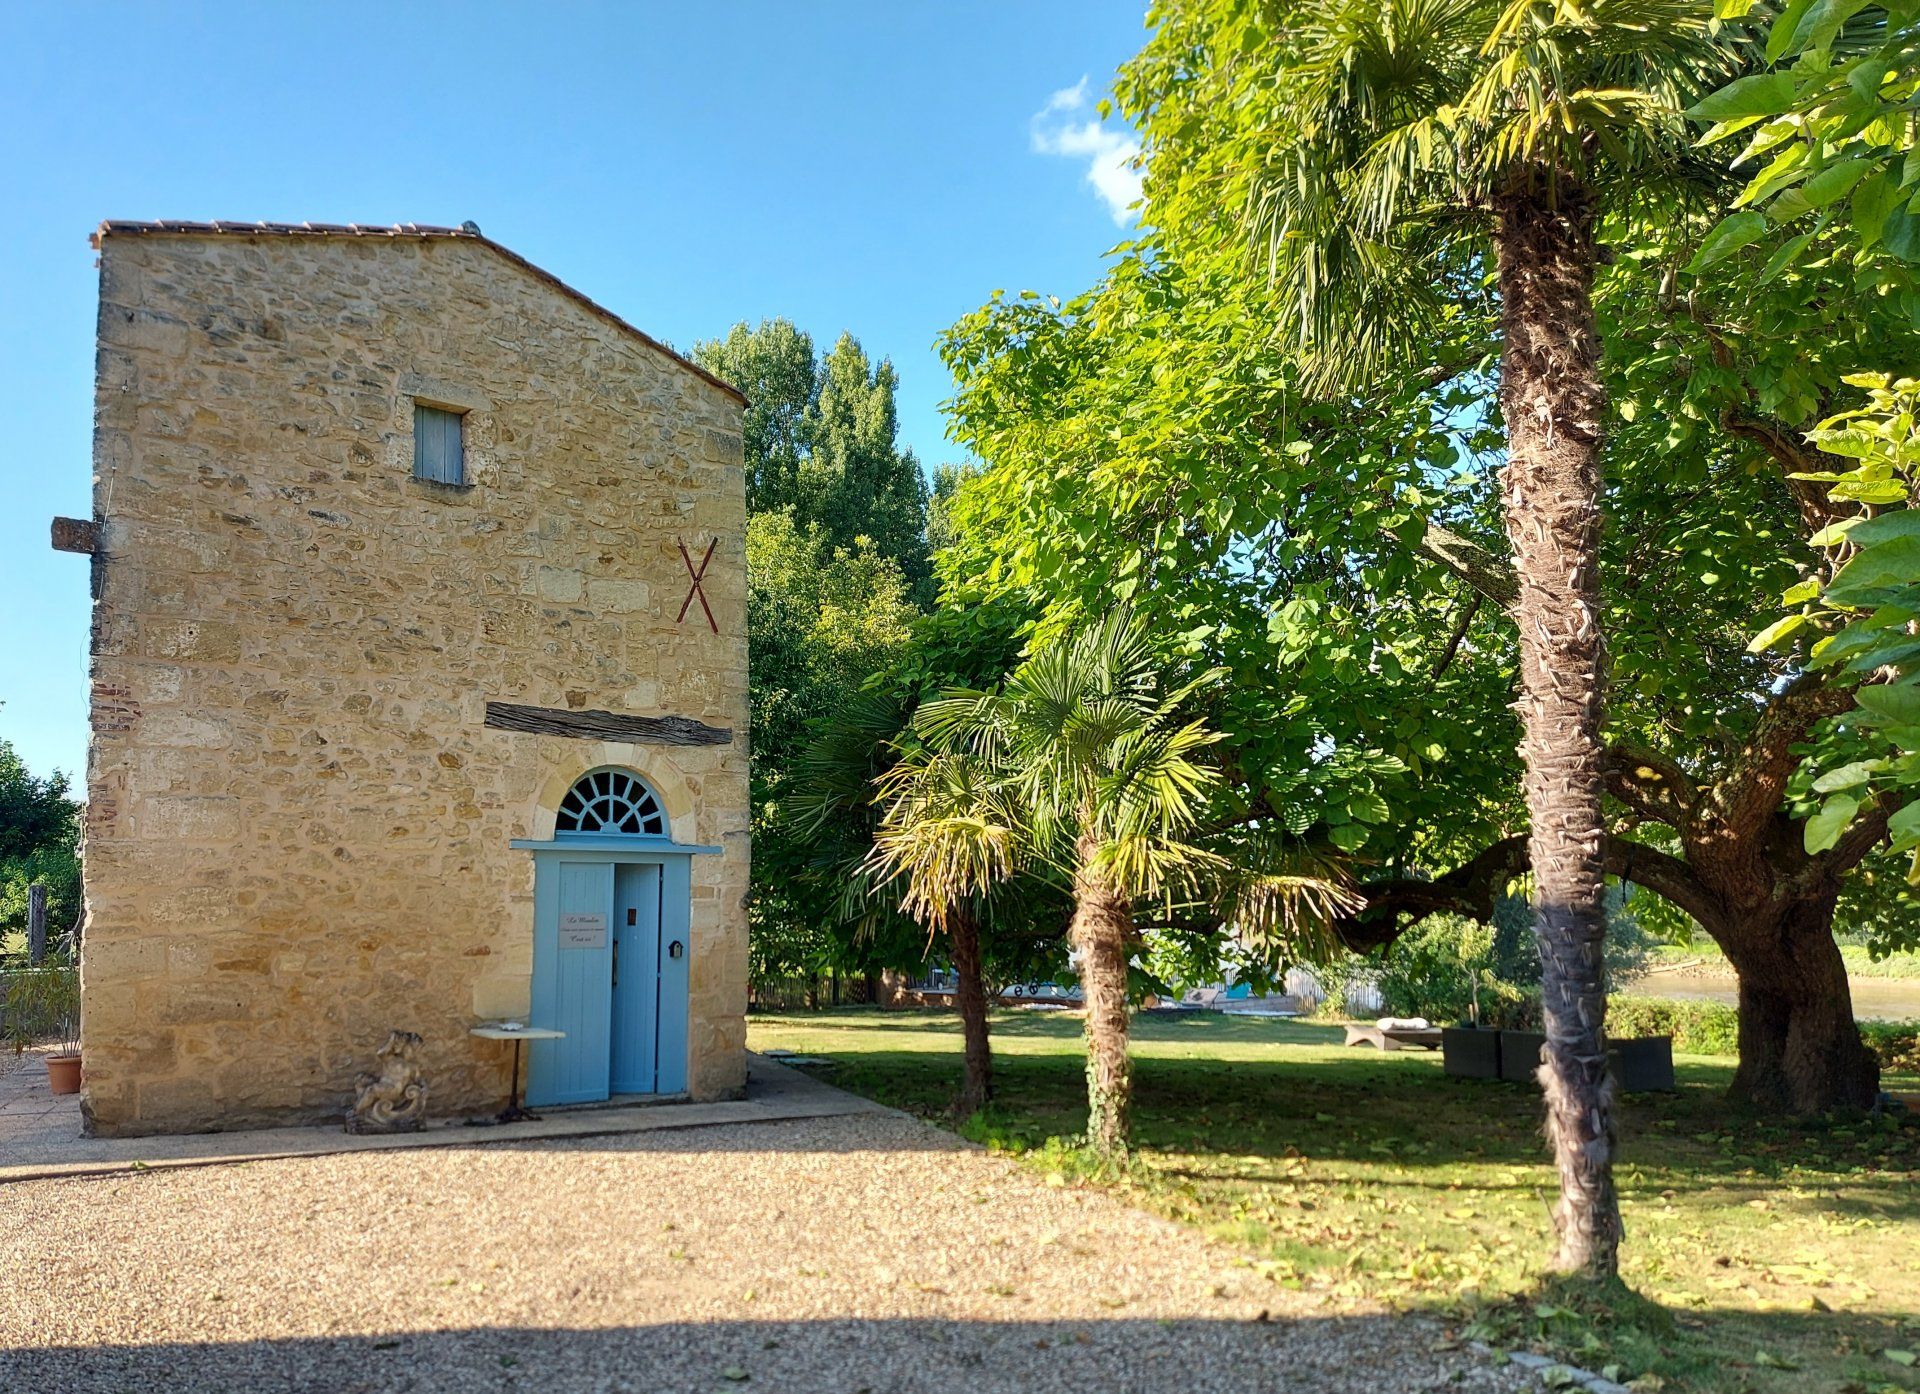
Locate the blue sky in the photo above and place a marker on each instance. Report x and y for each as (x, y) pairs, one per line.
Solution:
(873, 167)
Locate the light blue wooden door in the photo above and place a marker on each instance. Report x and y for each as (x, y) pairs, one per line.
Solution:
(572, 981)
(636, 978)
(676, 955)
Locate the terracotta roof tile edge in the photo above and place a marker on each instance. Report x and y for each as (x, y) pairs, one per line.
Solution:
(189, 228)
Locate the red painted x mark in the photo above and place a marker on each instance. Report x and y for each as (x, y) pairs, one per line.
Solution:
(696, 592)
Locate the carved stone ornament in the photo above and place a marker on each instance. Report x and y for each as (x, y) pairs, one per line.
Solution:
(392, 1098)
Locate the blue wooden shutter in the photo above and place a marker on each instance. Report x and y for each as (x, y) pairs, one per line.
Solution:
(437, 453)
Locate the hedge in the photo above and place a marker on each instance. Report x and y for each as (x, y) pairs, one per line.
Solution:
(1697, 1028)
(1895, 1043)
(1713, 1028)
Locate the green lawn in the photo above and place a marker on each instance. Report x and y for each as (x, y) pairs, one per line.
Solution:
(1780, 1258)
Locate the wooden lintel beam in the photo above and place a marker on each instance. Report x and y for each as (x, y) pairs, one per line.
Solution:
(605, 726)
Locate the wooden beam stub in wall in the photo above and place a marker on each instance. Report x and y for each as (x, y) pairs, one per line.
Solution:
(605, 726)
(76, 535)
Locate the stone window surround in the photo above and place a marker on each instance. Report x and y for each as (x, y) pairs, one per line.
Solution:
(476, 430)
(654, 767)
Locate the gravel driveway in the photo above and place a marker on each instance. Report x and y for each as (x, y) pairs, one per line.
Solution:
(842, 1254)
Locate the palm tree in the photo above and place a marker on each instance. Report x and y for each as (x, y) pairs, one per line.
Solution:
(947, 838)
(1081, 766)
(1094, 764)
(900, 831)
(1416, 137)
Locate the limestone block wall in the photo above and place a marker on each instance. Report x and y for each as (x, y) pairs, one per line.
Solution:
(297, 825)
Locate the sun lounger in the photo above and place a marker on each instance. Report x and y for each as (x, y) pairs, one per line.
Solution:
(1394, 1037)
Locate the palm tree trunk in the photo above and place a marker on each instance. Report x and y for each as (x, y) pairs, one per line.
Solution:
(1552, 399)
(970, 997)
(1102, 936)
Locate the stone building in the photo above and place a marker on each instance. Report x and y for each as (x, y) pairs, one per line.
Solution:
(419, 686)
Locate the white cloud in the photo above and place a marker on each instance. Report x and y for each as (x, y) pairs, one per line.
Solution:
(1110, 154)
(1067, 98)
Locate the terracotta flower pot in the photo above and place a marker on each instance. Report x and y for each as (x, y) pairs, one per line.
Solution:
(63, 1074)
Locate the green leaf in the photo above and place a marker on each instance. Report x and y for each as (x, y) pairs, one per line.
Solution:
(1873, 199)
(1787, 253)
(1729, 235)
(1732, 9)
(1348, 837)
(1895, 562)
(1835, 182)
(1905, 827)
(1824, 21)
(1885, 528)
(1898, 654)
(1874, 491)
(1780, 39)
(1782, 628)
(1788, 167)
(1789, 205)
(1762, 94)
(1846, 777)
(1895, 704)
(1900, 235)
(1367, 807)
(1824, 828)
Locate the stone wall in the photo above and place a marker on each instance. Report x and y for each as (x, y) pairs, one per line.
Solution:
(297, 824)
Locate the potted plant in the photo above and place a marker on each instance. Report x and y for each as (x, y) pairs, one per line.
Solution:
(43, 1005)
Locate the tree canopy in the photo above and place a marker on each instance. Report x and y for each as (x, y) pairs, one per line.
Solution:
(820, 441)
(1340, 553)
(39, 833)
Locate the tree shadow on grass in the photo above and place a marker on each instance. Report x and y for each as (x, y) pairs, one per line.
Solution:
(1347, 1355)
(1385, 1110)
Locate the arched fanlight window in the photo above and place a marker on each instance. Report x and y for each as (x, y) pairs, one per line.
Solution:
(611, 801)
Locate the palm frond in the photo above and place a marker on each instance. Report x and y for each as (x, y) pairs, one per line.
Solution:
(1283, 899)
(1400, 122)
(833, 777)
(949, 833)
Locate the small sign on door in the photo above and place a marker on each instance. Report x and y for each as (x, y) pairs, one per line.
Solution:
(583, 930)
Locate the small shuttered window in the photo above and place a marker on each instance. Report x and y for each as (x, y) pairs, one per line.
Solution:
(438, 456)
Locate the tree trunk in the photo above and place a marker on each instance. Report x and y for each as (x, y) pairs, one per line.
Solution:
(1552, 401)
(970, 997)
(1102, 935)
(1800, 1051)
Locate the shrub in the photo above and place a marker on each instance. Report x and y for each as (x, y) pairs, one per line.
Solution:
(41, 1005)
(1895, 1044)
(1697, 1028)
(1440, 967)
(1713, 1028)
(1432, 970)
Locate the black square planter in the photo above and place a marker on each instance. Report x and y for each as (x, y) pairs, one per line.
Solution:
(1642, 1063)
(1470, 1052)
(1520, 1056)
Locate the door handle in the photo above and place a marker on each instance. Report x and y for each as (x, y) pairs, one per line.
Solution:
(616, 961)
